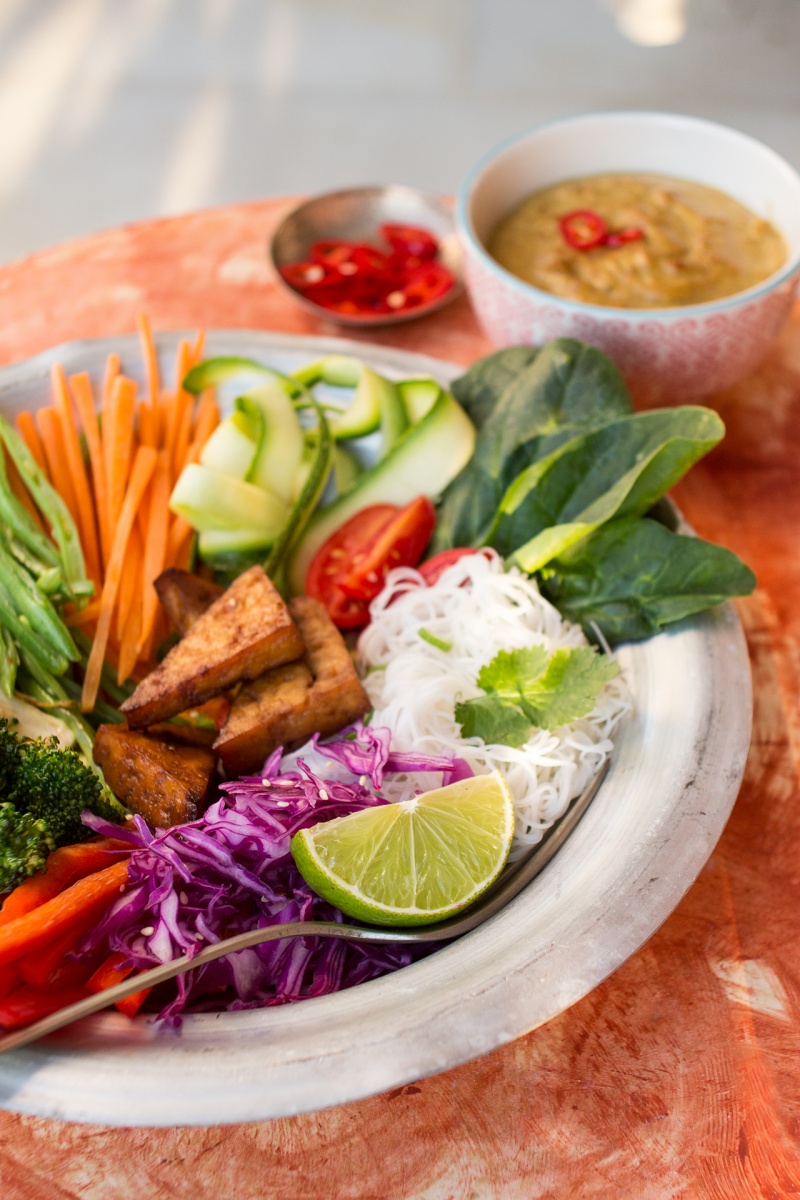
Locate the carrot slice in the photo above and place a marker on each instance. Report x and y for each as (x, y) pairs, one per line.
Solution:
(148, 435)
(143, 467)
(83, 617)
(155, 550)
(50, 430)
(182, 440)
(83, 395)
(119, 447)
(26, 427)
(77, 470)
(199, 346)
(37, 928)
(64, 867)
(130, 584)
(150, 359)
(111, 372)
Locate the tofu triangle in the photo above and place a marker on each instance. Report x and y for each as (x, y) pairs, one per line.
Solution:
(247, 631)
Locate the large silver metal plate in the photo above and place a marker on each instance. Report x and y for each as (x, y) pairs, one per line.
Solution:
(676, 771)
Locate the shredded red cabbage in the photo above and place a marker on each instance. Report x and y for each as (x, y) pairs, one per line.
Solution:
(367, 751)
(232, 871)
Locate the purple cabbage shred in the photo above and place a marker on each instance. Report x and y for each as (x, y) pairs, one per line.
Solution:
(232, 871)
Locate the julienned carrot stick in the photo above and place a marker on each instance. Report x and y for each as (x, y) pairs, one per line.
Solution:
(129, 641)
(30, 435)
(155, 549)
(147, 426)
(119, 447)
(182, 441)
(180, 400)
(130, 583)
(81, 388)
(111, 373)
(198, 347)
(85, 616)
(77, 470)
(206, 417)
(64, 867)
(143, 467)
(150, 358)
(89, 896)
(50, 430)
(183, 363)
(180, 535)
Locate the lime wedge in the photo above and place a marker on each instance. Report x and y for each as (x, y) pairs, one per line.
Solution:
(414, 862)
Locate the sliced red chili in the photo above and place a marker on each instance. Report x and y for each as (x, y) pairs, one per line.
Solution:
(422, 285)
(410, 240)
(619, 237)
(308, 276)
(583, 229)
(331, 252)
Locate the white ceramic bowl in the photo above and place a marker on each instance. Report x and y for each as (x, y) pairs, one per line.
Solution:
(670, 353)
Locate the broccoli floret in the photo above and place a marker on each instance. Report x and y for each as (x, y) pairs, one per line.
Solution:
(55, 785)
(25, 842)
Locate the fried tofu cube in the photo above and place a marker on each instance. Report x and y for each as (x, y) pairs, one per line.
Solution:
(245, 632)
(164, 783)
(185, 597)
(284, 707)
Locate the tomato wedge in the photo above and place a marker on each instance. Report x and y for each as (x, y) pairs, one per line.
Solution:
(349, 570)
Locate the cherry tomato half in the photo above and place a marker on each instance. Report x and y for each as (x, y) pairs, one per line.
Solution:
(349, 569)
(433, 568)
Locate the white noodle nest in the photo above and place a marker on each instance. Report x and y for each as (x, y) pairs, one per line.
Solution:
(480, 608)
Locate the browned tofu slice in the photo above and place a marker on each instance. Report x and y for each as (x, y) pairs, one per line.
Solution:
(165, 784)
(245, 632)
(286, 706)
(185, 597)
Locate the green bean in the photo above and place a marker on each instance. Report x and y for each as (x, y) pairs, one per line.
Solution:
(21, 524)
(9, 661)
(32, 603)
(49, 502)
(28, 639)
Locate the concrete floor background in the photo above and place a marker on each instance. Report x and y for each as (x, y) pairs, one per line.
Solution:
(118, 110)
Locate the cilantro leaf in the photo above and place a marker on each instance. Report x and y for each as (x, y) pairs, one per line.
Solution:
(494, 721)
(529, 688)
(568, 687)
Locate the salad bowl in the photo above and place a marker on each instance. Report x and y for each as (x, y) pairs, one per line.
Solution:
(676, 769)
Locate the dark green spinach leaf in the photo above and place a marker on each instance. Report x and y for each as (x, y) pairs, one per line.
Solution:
(633, 577)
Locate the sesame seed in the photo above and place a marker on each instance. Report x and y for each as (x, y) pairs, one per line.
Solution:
(148, 931)
(184, 899)
(323, 795)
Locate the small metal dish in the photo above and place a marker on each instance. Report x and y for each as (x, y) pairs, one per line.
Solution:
(356, 214)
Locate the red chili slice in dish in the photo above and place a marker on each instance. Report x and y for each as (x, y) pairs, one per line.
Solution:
(583, 229)
(421, 285)
(410, 241)
(349, 568)
(308, 276)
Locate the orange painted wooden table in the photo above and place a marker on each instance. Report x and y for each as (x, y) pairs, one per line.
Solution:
(680, 1075)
